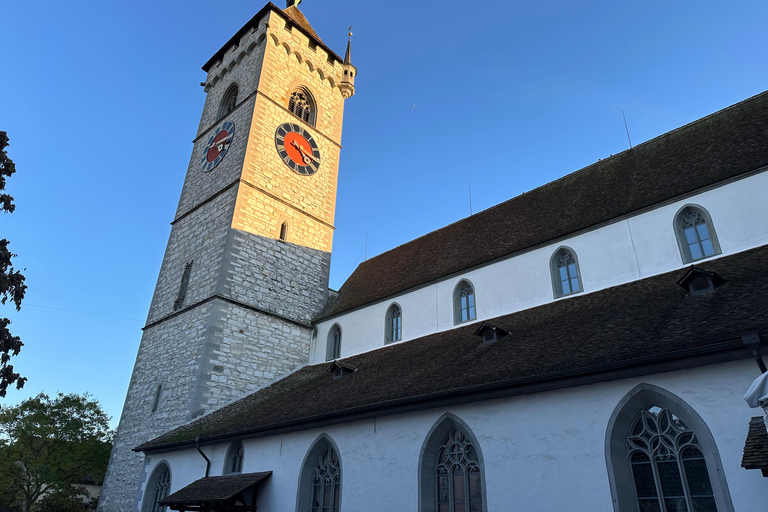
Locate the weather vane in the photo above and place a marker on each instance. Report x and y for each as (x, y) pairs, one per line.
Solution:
(291, 3)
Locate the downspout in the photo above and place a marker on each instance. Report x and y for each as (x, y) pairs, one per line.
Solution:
(752, 341)
(207, 460)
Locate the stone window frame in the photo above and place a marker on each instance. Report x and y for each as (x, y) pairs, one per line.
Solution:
(149, 504)
(427, 459)
(457, 310)
(617, 462)
(228, 101)
(233, 461)
(389, 336)
(554, 271)
(305, 487)
(333, 349)
(311, 102)
(682, 243)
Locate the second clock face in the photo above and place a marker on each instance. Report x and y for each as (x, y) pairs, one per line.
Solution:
(297, 149)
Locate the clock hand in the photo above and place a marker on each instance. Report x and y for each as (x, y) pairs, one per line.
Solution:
(219, 143)
(306, 157)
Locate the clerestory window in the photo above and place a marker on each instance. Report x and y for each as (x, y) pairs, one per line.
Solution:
(565, 272)
(394, 324)
(695, 234)
(464, 306)
(333, 350)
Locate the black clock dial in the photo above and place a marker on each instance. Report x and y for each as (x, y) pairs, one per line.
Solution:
(297, 149)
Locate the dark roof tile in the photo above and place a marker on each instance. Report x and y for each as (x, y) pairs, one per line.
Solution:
(214, 489)
(723, 145)
(756, 447)
(619, 327)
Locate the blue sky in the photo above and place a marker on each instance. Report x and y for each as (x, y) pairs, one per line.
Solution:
(101, 101)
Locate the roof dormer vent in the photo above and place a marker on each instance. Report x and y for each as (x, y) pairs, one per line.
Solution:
(700, 282)
(340, 369)
(490, 334)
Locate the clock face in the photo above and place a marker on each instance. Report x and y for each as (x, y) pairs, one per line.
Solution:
(297, 149)
(217, 146)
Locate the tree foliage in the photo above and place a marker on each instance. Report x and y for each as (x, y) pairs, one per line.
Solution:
(47, 445)
(12, 285)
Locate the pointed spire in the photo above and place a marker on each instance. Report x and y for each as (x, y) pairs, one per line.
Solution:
(348, 56)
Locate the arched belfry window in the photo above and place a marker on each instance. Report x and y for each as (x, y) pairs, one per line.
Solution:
(695, 233)
(394, 324)
(233, 462)
(662, 457)
(302, 105)
(229, 102)
(451, 469)
(464, 307)
(158, 488)
(320, 479)
(566, 278)
(333, 349)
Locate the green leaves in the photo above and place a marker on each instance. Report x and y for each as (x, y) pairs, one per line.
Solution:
(12, 285)
(50, 444)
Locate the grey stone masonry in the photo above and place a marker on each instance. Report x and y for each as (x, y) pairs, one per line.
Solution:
(240, 319)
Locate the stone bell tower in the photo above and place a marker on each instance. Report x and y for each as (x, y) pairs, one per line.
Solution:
(247, 261)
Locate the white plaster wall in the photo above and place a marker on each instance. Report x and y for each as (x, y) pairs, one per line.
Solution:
(640, 246)
(541, 452)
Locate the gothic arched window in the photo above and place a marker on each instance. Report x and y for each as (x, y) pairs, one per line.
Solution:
(302, 105)
(284, 231)
(333, 350)
(320, 479)
(451, 469)
(158, 488)
(464, 308)
(233, 462)
(695, 234)
(662, 457)
(394, 324)
(229, 102)
(565, 272)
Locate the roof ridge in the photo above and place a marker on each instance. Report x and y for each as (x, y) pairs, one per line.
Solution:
(570, 174)
(720, 146)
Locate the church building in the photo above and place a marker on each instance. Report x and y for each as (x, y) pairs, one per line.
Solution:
(585, 346)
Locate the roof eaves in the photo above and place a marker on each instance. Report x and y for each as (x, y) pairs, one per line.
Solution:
(610, 371)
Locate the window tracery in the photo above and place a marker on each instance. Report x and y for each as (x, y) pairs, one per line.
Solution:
(302, 106)
(695, 234)
(229, 102)
(326, 483)
(464, 302)
(668, 467)
(565, 273)
(457, 475)
(394, 323)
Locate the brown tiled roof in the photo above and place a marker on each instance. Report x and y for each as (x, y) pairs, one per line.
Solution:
(756, 447)
(214, 489)
(620, 329)
(728, 143)
(299, 19)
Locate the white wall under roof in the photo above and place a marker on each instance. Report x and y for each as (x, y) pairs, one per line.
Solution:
(543, 451)
(629, 249)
